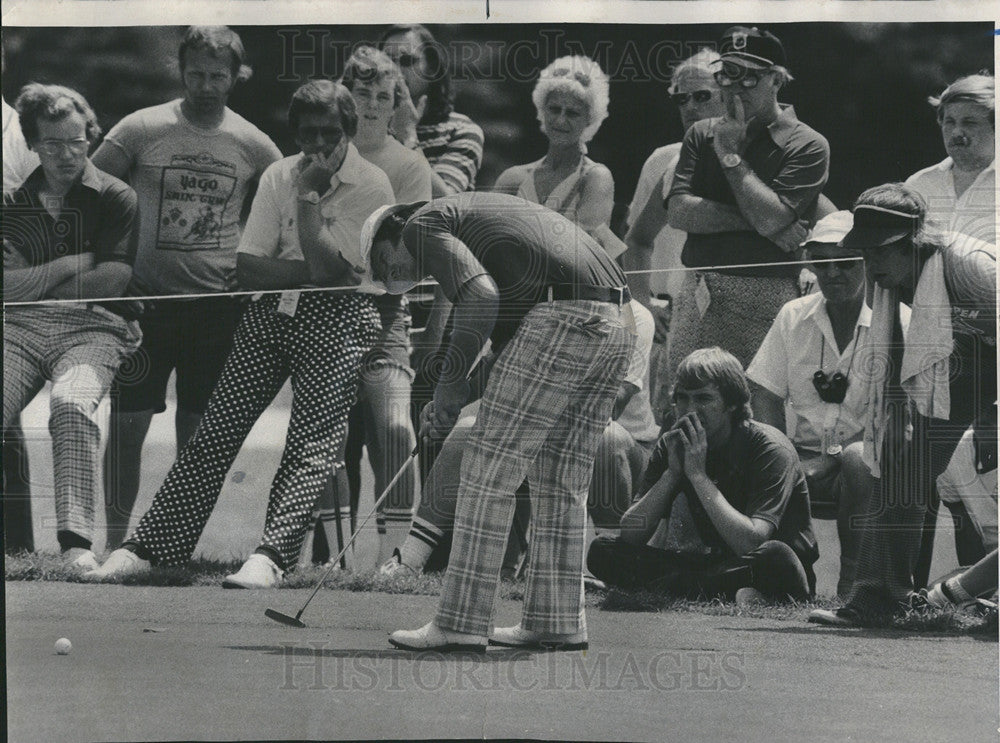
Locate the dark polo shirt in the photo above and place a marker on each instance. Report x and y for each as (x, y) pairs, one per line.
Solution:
(759, 473)
(99, 216)
(524, 247)
(789, 157)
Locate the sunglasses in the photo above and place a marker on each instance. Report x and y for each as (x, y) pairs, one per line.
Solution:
(845, 264)
(699, 96)
(331, 134)
(580, 77)
(55, 147)
(407, 60)
(734, 74)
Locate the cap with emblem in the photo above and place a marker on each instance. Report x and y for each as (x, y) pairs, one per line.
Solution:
(751, 48)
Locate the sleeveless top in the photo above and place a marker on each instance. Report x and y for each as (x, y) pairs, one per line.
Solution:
(565, 197)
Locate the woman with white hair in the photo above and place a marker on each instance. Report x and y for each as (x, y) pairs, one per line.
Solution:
(571, 96)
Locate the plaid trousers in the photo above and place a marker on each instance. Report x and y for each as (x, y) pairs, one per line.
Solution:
(79, 349)
(548, 399)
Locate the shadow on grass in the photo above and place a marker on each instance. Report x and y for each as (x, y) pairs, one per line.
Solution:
(317, 650)
(37, 566)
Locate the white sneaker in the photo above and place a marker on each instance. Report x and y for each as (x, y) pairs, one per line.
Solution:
(516, 637)
(82, 559)
(432, 637)
(394, 566)
(120, 564)
(259, 571)
(747, 597)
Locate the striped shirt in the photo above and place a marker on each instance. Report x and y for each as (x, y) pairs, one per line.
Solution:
(454, 148)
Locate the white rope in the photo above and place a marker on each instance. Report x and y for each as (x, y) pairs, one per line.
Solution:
(311, 289)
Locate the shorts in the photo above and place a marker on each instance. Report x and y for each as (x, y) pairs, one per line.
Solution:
(193, 336)
(393, 346)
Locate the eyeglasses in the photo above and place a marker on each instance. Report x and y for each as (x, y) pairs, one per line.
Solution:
(55, 147)
(734, 74)
(845, 264)
(407, 60)
(699, 96)
(330, 134)
(580, 77)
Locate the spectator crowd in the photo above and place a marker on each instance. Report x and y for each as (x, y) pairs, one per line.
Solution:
(745, 358)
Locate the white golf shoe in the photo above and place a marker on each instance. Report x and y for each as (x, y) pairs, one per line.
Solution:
(79, 558)
(259, 571)
(120, 564)
(432, 637)
(516, 637)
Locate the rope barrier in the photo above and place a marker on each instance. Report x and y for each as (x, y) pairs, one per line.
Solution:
(311, 289)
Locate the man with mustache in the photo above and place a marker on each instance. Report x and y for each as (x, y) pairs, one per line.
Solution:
(960, 191)
(193, 162)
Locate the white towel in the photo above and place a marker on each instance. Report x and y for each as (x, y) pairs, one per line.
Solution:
(872, 370)
(927, 334)
(929, 342)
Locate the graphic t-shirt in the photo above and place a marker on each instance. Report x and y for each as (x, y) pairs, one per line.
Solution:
(191, 184)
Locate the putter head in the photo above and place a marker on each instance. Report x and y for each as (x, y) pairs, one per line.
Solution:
(277, 616)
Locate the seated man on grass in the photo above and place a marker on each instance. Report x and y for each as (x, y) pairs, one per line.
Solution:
(724, 504)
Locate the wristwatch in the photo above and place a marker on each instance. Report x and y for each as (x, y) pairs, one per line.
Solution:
(731, 160)
(312, 197)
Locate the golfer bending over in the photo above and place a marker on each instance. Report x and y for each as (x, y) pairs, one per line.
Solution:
(555, 307)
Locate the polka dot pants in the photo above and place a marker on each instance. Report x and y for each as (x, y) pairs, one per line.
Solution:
(320, 347)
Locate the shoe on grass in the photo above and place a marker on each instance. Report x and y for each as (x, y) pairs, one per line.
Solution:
(432, 637)
(394, 566)
(517, 637)
(748, 597)
(259, 571)
(81, 559)
(120, 564)
(842, 617)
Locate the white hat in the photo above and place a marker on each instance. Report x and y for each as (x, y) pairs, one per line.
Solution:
(368, 231)
(831, 229)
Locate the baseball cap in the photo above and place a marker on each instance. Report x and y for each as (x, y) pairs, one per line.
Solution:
(751, 48)
(831, 229)
(368, 232)
(875, 226)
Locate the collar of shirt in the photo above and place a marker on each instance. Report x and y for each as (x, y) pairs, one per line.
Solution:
(349, 171)
(947, 165)
(90, 179)
(780, 130)
(817, 313)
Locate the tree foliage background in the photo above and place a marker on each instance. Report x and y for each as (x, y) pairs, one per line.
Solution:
(864, 86)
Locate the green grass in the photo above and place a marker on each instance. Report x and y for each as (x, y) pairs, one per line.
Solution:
(202, 572)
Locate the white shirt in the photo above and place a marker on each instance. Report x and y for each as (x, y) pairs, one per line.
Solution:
(656, 177)
(961, 482)
(18, 160)
(973, 213)
(357, 189)
(789, 356)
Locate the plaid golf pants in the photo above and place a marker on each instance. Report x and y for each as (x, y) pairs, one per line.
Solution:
(78, 348)
(548, 399)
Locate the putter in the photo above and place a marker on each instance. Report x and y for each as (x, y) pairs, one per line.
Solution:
(296, 621)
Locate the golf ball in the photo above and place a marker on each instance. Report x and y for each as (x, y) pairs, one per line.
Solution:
(63, 646)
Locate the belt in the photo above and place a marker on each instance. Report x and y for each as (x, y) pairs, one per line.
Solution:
(617, 295)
